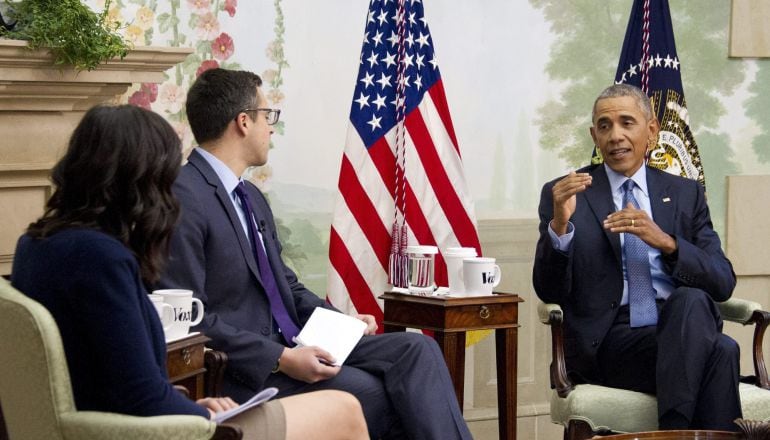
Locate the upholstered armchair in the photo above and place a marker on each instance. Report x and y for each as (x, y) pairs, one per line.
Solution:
(36, 393)
(586, 410)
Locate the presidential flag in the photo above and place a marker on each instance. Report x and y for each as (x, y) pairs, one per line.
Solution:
(649, 61)
(401, 164)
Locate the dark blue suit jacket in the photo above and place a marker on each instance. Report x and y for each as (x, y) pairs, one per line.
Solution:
(211, 254)
(112, 336)
(587, 281)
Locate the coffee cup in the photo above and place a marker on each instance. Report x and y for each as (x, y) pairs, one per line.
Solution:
(480, 275)
(165, 311)
(181, 300)
(453, 257)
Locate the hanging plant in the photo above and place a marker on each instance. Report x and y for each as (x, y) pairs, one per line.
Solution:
(74, 34)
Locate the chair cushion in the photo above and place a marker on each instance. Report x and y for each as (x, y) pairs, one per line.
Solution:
(755, 402)
(605, 408)
(621, 411)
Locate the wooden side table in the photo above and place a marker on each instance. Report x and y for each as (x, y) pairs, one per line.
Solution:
(184, 363)
(449, 319)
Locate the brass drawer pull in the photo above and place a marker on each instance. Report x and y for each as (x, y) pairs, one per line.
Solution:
(484, 312)
(186, 355)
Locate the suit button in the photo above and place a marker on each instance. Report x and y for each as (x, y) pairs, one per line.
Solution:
(265, 331)
(614, 305)
(594, 343)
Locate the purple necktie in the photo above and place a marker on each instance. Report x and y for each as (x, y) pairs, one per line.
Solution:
(288, 328)
(641, 294)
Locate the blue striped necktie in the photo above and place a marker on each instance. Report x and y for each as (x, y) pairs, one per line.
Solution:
(288, 328)
(641, 294)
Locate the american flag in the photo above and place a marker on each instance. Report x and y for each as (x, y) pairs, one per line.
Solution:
(649, 61)
(397, 67)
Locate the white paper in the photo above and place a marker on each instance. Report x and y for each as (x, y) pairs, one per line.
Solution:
(258, 399)
(332, 331)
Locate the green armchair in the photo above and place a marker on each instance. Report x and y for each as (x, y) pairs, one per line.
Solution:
(586, 410)
(36, 394)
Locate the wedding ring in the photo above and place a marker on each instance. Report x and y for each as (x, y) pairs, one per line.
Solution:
(632, 223)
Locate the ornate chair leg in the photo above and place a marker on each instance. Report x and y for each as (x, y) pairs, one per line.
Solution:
(578, 430)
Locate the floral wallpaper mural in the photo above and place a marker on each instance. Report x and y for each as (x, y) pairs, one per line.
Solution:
(203, 25)
(500, 85)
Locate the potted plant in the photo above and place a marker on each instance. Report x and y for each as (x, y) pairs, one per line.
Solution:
(75, 34)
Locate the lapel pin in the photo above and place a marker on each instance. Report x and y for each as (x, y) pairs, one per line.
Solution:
(666, 199)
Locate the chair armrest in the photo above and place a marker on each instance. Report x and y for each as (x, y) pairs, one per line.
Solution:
(227, 432)
(215, 362)
(544, 311)
(738, 310)
(551, 314)
(750, 312)
(95, 425)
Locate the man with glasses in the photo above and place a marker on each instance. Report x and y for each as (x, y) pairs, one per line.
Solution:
(227, 251)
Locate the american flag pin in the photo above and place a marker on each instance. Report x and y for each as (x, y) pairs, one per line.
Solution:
(666, 199)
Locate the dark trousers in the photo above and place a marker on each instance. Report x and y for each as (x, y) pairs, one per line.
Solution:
(685, 360)
(402, 383)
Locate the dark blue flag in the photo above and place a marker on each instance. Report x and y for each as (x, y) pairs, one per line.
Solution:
(649, 61)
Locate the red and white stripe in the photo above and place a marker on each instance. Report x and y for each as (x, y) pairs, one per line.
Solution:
(439, 208)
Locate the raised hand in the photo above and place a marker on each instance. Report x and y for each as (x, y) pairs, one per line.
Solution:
(564, 200)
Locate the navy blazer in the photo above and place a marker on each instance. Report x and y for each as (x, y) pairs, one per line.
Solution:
(112, 336)
(211, 254)
(587, 281)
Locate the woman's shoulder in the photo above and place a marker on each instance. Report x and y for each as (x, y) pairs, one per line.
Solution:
(78, 243)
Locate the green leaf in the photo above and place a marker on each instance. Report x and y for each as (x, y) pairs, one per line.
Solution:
(164, 22)
(203, 47)
(74, 33)
(191, 64)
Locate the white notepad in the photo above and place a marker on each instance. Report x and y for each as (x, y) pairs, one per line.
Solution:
(332, 331)
(258, 399)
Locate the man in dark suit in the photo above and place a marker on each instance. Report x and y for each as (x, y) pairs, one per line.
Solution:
(647, 324)
(254, 303)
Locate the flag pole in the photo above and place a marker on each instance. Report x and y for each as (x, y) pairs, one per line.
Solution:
(398, 261)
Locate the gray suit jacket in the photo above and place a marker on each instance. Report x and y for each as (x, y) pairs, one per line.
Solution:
(211, 254)
(587, 281)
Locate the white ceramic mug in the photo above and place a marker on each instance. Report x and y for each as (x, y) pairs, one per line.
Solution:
(182, 302)
(165, 311)
(453, 257)
(480, 275)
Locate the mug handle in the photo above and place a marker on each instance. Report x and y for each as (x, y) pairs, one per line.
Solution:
(498, 275)
(166, 315)
(199, 318)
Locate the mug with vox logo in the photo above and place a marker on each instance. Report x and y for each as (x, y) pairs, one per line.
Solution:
(480, 275)
(181, 300)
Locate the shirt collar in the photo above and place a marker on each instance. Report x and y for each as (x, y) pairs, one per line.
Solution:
(616, 179)
(225, 174)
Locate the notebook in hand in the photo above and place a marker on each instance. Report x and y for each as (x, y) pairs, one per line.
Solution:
(332, 331)
(258, 399)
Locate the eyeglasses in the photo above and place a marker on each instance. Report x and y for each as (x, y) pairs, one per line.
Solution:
(271, 114)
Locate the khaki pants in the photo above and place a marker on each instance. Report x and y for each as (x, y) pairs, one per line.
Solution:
(265, 422)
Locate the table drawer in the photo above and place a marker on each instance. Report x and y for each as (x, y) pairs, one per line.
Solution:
(481, 315)
(184, 361)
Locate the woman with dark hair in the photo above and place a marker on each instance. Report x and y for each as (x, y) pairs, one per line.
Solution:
(103, 238)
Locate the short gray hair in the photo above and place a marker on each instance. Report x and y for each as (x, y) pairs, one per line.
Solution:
(619, 90)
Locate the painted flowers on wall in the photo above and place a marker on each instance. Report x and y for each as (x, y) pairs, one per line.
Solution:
(202, 25)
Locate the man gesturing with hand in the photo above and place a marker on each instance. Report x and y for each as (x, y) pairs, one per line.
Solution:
(630, 254)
